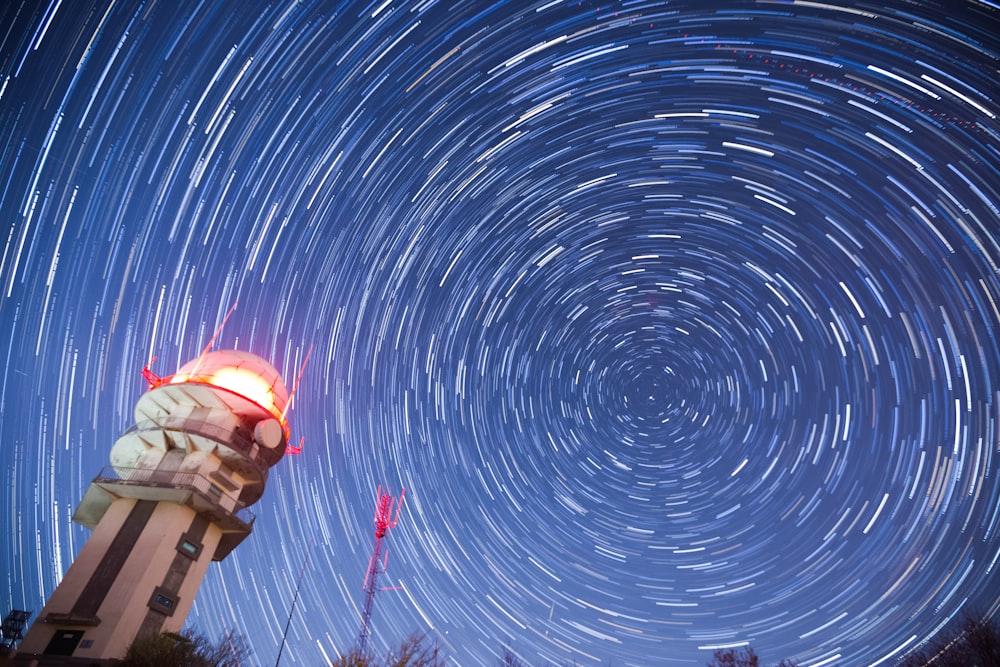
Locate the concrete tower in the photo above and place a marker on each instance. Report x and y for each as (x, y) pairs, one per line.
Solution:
(174, 499)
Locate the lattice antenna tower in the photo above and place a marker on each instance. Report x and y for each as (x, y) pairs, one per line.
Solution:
(384, 520)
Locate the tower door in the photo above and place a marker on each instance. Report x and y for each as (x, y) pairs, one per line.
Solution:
(64, 642)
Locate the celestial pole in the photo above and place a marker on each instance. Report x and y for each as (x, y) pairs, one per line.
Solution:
(678, 320)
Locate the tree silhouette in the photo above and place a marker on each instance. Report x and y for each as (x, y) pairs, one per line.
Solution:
(974, 642)
(187, 649)
(508, 659)
(412, 652)
(741, 657)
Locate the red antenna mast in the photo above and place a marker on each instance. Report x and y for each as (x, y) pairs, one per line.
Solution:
(155, 380)
(384, 520)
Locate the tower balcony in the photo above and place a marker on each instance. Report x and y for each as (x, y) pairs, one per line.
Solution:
(190, 489)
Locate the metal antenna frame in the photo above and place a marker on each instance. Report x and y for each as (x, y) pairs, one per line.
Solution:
(384, 520)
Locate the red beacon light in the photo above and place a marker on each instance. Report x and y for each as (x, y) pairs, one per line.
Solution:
(241, 373)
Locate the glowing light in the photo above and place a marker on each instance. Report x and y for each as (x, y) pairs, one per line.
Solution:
(242, 373)
(246, 384)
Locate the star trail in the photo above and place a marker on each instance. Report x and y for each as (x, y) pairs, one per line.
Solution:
(678, 321)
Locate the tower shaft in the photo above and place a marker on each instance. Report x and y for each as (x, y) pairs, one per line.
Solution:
(136, 575)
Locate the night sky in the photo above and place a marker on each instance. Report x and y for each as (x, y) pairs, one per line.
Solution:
(678, 321)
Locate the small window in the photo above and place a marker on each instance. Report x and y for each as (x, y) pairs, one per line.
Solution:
(189, 547)
(163, 601)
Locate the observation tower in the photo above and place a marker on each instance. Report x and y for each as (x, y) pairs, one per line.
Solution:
(174, 498)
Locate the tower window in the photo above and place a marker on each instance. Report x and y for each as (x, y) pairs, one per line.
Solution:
(163, 601)
(188, 546)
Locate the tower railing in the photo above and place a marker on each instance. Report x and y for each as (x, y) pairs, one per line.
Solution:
(175, 479)
(240, 439)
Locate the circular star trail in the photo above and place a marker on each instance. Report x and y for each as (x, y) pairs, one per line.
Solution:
(678, 321)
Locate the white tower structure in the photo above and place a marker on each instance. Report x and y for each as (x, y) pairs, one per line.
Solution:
(174, 499)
